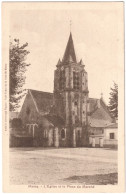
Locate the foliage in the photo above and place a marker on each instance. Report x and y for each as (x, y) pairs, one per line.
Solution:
(17, 123)
(17, 69)
(113, 101)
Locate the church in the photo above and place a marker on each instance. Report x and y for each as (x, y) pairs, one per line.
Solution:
(68, 117)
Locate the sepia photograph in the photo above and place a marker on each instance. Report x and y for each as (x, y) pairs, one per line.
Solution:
(63, 96)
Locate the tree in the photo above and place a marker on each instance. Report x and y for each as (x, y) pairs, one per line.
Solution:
(113, 101)
(17, 69)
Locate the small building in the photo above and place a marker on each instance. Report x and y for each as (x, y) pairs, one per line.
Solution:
(111, 135)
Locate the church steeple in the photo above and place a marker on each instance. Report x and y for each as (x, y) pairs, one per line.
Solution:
(71, 91)
(70, 52)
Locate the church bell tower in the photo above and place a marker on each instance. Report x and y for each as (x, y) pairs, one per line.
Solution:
(71, 95)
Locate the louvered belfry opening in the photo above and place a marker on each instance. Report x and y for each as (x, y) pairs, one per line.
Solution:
(62, 80)
(76, 80)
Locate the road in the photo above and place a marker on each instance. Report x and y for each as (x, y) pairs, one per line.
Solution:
(62, 166)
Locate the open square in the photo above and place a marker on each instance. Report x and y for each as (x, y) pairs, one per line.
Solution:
(49, 166)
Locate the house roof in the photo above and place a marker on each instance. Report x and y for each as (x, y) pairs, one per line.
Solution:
(69, 55)
(43, 100)
(99, 123)
(100, 116)
(113, 125)
(93, 104)
(100, 113)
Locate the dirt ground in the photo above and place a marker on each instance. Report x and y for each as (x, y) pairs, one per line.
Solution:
(63, 166)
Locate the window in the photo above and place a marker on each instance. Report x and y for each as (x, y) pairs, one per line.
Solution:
(111, 135)
(76, 80)
(63, 133)
(62, 80)
(75, 103)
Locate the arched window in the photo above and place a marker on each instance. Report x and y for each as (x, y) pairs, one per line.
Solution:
(45, 133)
(35, 126)
(63, 134)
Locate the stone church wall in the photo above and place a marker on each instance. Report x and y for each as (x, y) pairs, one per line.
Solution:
(28, 112)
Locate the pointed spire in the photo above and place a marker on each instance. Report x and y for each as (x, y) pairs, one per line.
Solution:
(69, 51)
(70, 59)
(59, 62)
(81, 62)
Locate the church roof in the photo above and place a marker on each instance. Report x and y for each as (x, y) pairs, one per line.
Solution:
(45, 122)
(44, 103)
(55, 120)
(43, 100)
(70, 52)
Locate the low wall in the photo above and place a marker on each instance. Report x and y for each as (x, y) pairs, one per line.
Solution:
(111, 143)
(100, 141)
(20, 141)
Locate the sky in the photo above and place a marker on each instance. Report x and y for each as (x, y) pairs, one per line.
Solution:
(97, 32)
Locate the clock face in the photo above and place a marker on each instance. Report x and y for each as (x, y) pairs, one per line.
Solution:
(62, 68)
